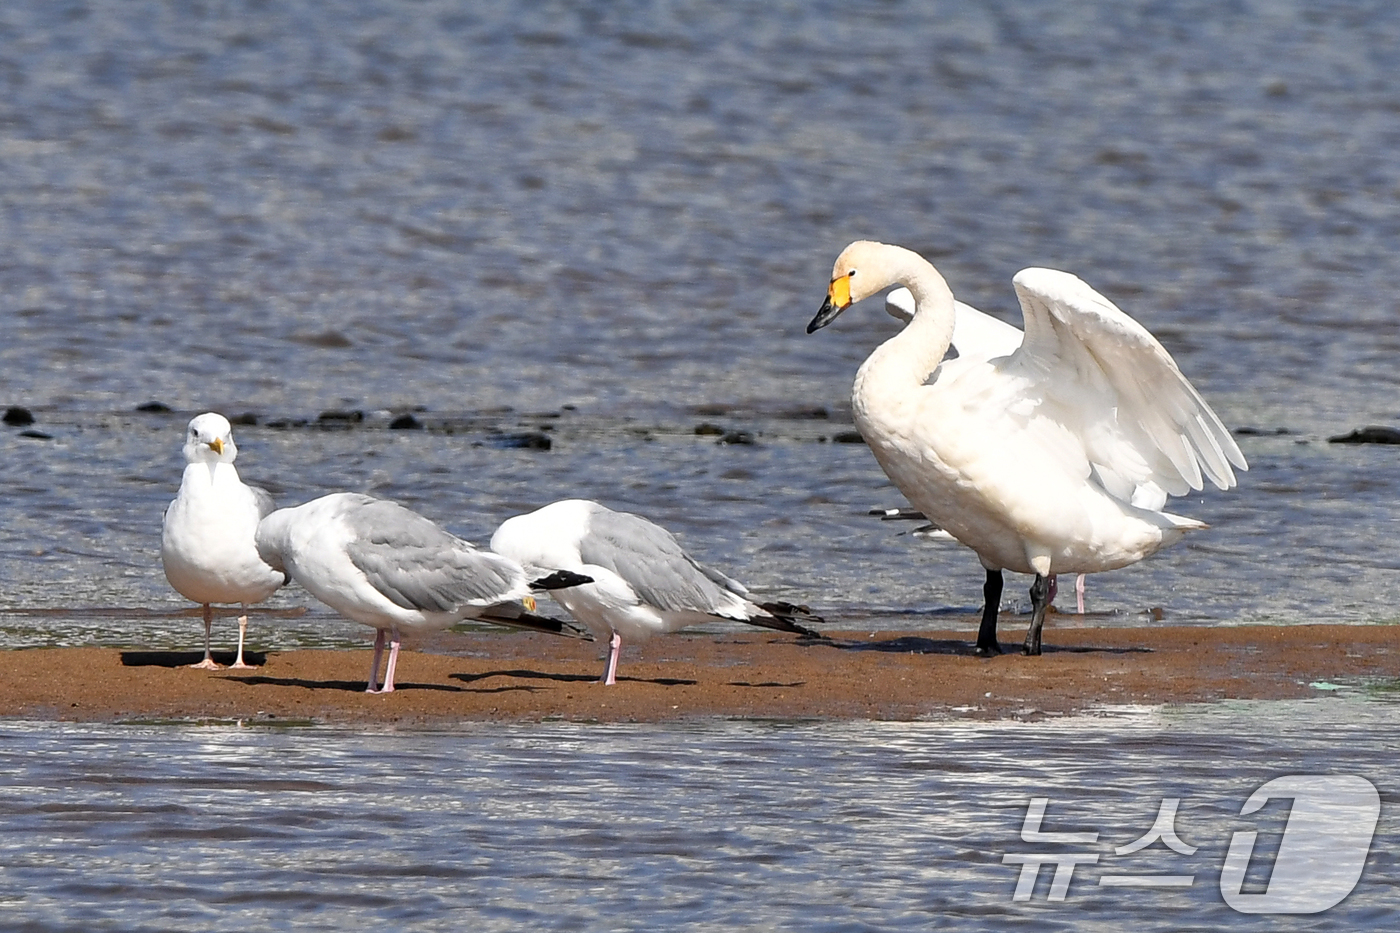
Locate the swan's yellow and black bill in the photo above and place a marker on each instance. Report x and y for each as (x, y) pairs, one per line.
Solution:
(838, 299)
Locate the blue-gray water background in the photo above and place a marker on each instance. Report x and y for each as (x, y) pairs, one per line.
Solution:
(609, 223)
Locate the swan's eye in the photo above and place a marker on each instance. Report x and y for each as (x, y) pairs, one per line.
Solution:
(851, 274)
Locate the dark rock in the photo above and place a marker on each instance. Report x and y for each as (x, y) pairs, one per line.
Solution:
(708, 428)
(405, 422)
(1261, 432)
(1371, 434)
(247, 418)
(17, 417)
(527, 440)
(335, 418)
(155, 408)
(37, 435)
(328, 339)
(736, 437)
(848, 437)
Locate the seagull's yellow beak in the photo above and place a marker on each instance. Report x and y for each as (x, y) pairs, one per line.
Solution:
(530, 604)
(838, 299)
(217, 445)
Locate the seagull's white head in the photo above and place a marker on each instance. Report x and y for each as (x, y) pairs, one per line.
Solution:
(210, 440)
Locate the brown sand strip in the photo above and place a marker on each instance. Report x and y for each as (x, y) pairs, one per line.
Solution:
(884, 675)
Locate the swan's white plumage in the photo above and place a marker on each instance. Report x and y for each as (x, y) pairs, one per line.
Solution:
(975, 335)
(1054, 457)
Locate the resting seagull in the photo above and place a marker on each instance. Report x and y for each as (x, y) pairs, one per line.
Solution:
(643, 581)
(206, 545)
(1055, 458)
(385, 566)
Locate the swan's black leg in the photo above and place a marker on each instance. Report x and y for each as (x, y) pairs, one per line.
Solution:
(991, 605)
(1042, 591)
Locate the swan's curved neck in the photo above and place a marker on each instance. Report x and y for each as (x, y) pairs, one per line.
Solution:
(910, 356)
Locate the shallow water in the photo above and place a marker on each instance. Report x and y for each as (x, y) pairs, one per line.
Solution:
(612, 223)
(724, 825)
(608, 224)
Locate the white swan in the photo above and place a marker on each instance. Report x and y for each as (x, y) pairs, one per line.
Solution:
(1048, 460)
(388, 567)
(643, 581)
(206, 543)
(978, 336)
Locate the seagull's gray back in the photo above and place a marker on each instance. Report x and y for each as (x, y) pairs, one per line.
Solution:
(653, 563)
(417, 565)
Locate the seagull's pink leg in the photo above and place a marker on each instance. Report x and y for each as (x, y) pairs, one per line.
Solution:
(374, 664)
(614, 649)
(242, 631)
(393, 663)
(208, 663)
(1079, 591)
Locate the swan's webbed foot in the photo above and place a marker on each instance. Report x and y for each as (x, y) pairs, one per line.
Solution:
(1042, 591)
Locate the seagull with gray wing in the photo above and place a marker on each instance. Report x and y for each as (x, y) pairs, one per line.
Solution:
(643, 581)
(206, 544)
(386, 566)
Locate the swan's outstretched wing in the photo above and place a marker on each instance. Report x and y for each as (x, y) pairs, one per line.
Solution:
(1143, 424)
(976, 336)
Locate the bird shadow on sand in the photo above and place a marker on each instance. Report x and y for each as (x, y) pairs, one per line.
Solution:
(188, 658)
(914, 644)
(571, 678)
(350, 686)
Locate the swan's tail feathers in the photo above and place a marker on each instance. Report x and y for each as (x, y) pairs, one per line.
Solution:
(1182, 523)
(783, 617)
(515, 616)
(560, 580)
(1175, 527)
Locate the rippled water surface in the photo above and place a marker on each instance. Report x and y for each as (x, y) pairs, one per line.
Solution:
(732, 826)
(609, 223)
(606, 224)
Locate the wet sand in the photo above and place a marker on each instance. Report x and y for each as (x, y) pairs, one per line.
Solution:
(759, 675)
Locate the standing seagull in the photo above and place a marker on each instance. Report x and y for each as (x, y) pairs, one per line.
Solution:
(643, 582)
(1048, 460)
(207, 544)
(385, 566)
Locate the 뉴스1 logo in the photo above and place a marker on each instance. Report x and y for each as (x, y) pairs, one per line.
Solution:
(1319, 860)
(1324, 846)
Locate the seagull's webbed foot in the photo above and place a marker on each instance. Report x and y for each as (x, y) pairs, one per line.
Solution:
(609, 677)
(208, 663)
(238, 663)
